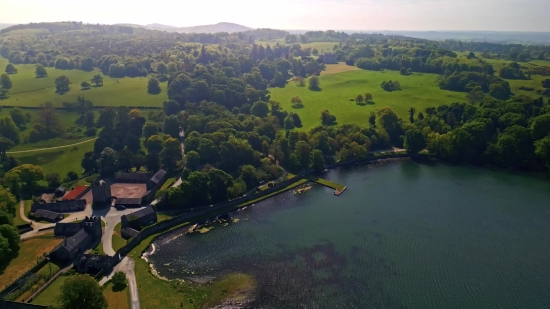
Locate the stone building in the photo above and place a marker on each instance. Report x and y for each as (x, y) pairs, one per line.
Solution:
(79, 237)
(101, 191)
(61, 206)
(91, 263)
(140, 218)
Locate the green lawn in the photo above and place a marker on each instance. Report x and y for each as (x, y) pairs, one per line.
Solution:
(31, 91)
(61, 161)
(118, 299)
(418, 90)
(118, 241)
(50, 296)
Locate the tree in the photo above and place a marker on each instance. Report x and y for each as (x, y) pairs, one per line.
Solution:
(359, 99)
(10, 69)
(17, 116)
(132, 142)
(107, 162)
(3, 93)
(49, 120)
(149, 129)
(372, 118)
(40, 71)
(289, 123)
(5, 145)
(403, 71)
(540, 126)
(412, 111)
(317, 160)
(296, 102)
(54, 180)
(302, 151)
(119, 281)
(315, 52)
(193, 160)
(5, 218)
(327, 119)
(172, 126)
(8, 203)
(9, 234)
(85, 85)
(162, 69)
(72, 175)
(170, 156)
(542, 149)
(152, 161)
(154, 143)
(260, 109)
(414, 141)
(9, 130)
(28, 174)
(62, 84)
(368, 97)
(297, 120)
(87, 64)
(5, 81)
(82, 291)
(153, 86)
(97, 80)
(388, 120)
(171, 107)
(314, 83)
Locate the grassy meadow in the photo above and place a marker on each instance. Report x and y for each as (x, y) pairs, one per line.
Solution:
(31, 91)
(50, 296)
(116, 300)
(60, 160)
(338, 92)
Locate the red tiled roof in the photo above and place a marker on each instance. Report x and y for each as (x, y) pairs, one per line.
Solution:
(74, 193)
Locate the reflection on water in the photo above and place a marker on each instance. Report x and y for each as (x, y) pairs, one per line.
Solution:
(404, 235)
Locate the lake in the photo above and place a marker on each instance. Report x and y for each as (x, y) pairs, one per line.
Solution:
(403, 235)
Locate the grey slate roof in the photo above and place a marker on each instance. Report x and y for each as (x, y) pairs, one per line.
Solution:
(140, 213)
(46, 214)
(71, 243)
(158, 176)
(67, 229)
(63, 206)
(129, 232)
(132, 177)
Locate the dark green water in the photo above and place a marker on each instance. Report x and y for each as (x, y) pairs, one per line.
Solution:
(404, 235)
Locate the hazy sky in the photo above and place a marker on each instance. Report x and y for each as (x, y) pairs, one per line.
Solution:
(504, 15)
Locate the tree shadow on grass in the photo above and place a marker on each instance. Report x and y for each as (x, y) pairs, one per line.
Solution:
(6, 262)
(316, 89)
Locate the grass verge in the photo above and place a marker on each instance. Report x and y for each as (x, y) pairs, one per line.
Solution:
(327, 183)
(50, 296)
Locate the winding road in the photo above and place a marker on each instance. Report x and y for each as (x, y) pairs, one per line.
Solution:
(126, 266)
(41, 149)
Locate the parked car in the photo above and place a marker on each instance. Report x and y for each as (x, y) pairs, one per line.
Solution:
(120, 207)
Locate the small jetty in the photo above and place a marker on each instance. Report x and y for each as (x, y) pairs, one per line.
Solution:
(338, 188)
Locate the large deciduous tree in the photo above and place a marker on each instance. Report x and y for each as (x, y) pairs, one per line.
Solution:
(153, 86)
(5, 81)
(313, 83)
(107, 162)
(62, 84)
(28, 174)
(97, 80)
(40, 71)
(172, 126)
(82, 292)
(414, 141)
(11, 69)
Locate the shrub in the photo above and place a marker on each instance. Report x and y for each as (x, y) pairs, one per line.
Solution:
(119, 281)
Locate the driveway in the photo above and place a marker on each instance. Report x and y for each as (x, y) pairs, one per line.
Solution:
(126, 266)
(111, 219)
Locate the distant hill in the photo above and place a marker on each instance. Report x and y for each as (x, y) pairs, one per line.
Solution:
(219, 27)
(160, 27)
(2, 26)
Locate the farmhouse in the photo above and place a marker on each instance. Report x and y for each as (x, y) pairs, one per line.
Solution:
(79, 235)
(328, 58)
(47, 215)
(62, 206)
(140, 218)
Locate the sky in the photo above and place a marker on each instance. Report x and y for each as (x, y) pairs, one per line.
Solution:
(493, 15)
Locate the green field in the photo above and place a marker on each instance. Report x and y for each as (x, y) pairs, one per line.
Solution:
(61, 160)
(418, 90)
(31, 91)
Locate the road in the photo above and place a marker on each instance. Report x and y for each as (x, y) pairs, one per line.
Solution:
(41, 149)
(111, 219)
(126, 266)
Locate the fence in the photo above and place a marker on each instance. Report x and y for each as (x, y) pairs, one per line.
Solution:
(17, 282)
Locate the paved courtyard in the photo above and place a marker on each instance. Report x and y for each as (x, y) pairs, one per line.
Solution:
(128, 190)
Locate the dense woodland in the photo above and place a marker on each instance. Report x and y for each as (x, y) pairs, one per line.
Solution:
(236, 137)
